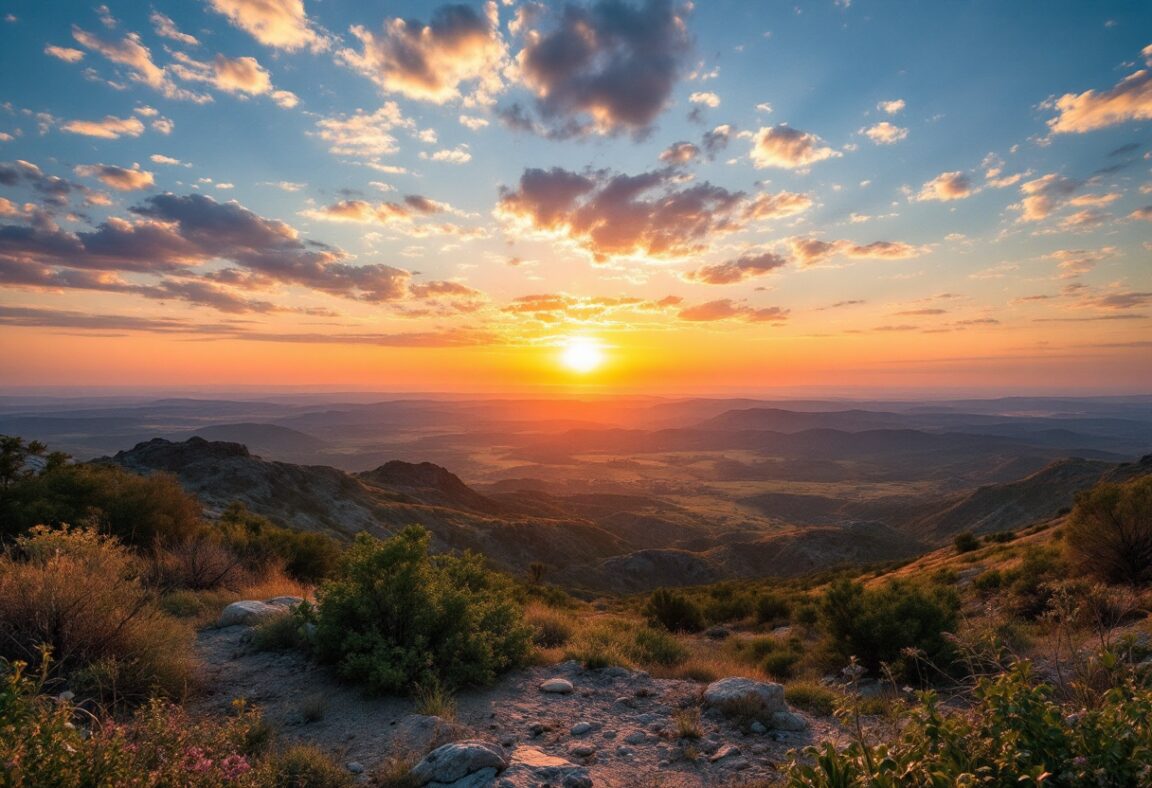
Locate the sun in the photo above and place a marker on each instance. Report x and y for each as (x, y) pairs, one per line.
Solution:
(582, 354)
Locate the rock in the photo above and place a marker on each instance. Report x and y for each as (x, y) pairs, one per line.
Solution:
(529, 768)
(737, 764)
(355, 767)
(624, 752)
(609, 734)
(635, 737)
(656, 727)
(718, 632)
(557, 686)
(580, 728)
(284, 601)
(537, 728)
(757, 727)
(745, 697)
(616, 672)
(727, 751)
(788, 721)
(247, 612)
(625, 701)
(452, 762)
(583, 750)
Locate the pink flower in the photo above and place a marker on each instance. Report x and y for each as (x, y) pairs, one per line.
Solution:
(234, 766)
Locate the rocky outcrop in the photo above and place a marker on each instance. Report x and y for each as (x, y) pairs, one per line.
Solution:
(761, 701)
(248, 612)
(471, 762)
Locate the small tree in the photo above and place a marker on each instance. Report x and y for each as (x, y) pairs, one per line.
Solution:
(1109, 533)
(14, 453)
(674, 611)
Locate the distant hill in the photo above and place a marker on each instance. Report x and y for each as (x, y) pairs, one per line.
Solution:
(262, 438)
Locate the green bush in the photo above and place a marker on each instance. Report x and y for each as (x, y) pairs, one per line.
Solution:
(812, 697)
(657, 647)
(878, 625)
(1109, 533)
(966, 542)
(772, 608)
(781, 665)
(395, 616)
(303, 766)
(1015, 733)
(674, 611)
(306, 556)
(727, 604)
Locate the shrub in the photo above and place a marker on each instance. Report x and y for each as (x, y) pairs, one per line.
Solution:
(674, 611)
(1014, 733)
(781, 665)
(395, 617)
(79, 595)
(726, 604)
(877, 625)
(306, 556)
(1109, 532)
(303, 766)
(657, 647)
(772, 608)
(999, 537)
(966, 542)
(812, 697)
(550, 628)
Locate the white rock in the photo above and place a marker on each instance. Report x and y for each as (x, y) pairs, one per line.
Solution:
(557, 686)
(247, 612)
(727, 751)
(530, 768)
(745, 696)
(452, 762)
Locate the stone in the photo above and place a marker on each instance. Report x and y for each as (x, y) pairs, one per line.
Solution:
(247, 612)
(529, 768)
(284, 601)
(623, 751)
(452, 762)
(636, 736)
(580, 728)
(727, 751)
(757, 727)
(718, 633)
(609, 734)
(583, 750)
(355, 767)
(537, 728)
(788, 721)
(744, 696)
(557, 686)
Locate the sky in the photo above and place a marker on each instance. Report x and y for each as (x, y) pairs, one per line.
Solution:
(617, 196)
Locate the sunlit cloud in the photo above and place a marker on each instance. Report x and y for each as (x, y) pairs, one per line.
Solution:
(430, 62)
(109, 128)
(727, 309)
(166, 28)
(1130, 99)
(281, 24)
(745, 267)
(67, 54)
(947, 186)
(364, 134)
(783, 146)
(813, 251)
(885, 133)
(893, 107)
(122, 179)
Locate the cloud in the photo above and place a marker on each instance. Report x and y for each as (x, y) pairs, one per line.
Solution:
(429, 62)
(716, 140)
(53, 190)
(783, 146)
(607, 67)
(947, 186)
(159, 158)
(110, 128)
(362, 134)
(1043, 195)
(1142, 214)
(173, 234)
(1086, 219)
(650, 214)
(1128, 100)
(364, 212)
(1074, 262)
(166, 28)
(813, 251)
(243, 76)
(885, 133)
(137, 58)
(706, 98)
(1121, 301)
(67, 54)
(119, 178)
(679, 153)
(893, 107)
(727, 309)
(458, 155)
(737, 270)
(281, 24)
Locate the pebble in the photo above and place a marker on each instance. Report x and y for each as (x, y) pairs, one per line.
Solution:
(609, 734)
(580, 728)
(757, 727)
(355, 767)
(624, 752)
(727, 751)
(636, 737)
(537, 728)
(583, 750)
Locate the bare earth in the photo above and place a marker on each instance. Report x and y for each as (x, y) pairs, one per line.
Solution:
(632, 738)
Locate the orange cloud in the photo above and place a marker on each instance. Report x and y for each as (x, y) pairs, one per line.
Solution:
(783, 146)
(109, 128)
(885, 133)
(813, 251)
(1130, 99)
(947, 186)
(281, 24)
(119, 178)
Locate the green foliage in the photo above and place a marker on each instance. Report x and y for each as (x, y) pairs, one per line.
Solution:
(966, 542)
(1109, 533)
(674, 611)
(727, 603)
(280, 632)
(812, 697)
(395, 616)
(14, 454)
(303, 766)
(79, 595)
(48, 741)
(139, 510)
(999, 537)
(878, 625)
(772, 608)
(1032, 583)
(550, 628)
(306, 556)
(781, 665)
(1015, 733)
(657, 647)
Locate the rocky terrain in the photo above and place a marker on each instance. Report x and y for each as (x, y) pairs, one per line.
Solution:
(559, 724)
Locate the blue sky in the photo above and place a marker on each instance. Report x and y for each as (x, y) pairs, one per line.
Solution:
(851, 188)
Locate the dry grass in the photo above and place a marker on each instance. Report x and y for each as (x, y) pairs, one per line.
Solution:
(203, 607)
(551, 628)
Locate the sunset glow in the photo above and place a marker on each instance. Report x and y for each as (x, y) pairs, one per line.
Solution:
(730, 196)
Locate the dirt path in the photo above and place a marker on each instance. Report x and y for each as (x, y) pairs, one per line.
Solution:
(620, 724)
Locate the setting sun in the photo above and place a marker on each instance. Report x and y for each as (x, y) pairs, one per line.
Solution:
(582, 355)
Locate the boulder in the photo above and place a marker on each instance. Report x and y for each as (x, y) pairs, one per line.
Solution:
(788, 721)
(247, 612)
(557, 686)
(454, 762)
(746, 697)
(529, 768)
(284, 601)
